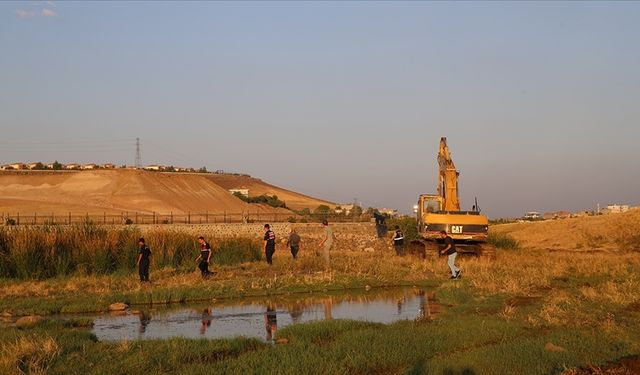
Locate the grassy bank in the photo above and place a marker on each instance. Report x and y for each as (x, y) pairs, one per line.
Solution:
(528, 312)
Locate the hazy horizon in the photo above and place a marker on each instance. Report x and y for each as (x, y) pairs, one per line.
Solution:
(538, 100)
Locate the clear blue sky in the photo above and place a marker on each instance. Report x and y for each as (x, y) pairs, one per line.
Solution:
(539, 101)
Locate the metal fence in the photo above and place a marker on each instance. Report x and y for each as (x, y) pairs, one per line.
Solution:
(127, 217)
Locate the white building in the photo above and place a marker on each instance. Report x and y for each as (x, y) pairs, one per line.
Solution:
(617, 208)
(531, 215)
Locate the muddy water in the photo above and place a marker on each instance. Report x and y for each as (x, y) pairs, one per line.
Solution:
(261, 318)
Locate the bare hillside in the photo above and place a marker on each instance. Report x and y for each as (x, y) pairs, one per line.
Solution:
(258, 187)
(114, 191)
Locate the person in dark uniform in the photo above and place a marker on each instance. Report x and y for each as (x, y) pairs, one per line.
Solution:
(294, 243)
(143, 260)
(269, 243)
(450, 250)
(204, 257)
(381, 227)
(398, 241)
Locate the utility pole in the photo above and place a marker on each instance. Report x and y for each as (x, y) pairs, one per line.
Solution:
(138, 157)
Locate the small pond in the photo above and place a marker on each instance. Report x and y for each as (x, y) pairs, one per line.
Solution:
(262, 317)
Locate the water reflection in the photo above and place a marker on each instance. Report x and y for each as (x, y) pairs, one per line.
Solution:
(271, 321)
(206, 321)
(261, 318)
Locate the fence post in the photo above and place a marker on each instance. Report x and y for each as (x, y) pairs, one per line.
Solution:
(18, 221)
(206, 217)
(189, 217)
(69, 218)
(171, 217)
(225, 217)
(136, 217)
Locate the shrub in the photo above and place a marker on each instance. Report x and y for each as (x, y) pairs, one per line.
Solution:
(291, 219)
(408, 226)
(235, 251)
(10, 221)
(503, 241)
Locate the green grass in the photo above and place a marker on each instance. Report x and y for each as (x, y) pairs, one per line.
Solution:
(503, 241)
(464, 340)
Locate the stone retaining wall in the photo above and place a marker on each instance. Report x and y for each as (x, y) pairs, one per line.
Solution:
(348, 236)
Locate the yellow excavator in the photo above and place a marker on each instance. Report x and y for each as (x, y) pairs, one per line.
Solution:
(435, 213)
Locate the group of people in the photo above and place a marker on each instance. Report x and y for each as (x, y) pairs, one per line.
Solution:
(144, 254)
(204, 258)
(294, 242)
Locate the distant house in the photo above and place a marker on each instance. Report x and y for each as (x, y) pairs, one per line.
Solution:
(184, 169)
(154, 167)
(35, 165)
(344, 208)
(616, 208)
(15, 166)
(388, 211)
(89, 166)
(554, 215)
(532, 215)
(109, 166)
(72, 166)
(244, 192)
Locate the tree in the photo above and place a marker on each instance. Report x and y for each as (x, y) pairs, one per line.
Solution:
(356, 211)
(56, 166)
(202, 170)
(322, 209)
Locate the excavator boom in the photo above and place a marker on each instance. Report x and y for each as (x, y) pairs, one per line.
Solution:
(447, 178)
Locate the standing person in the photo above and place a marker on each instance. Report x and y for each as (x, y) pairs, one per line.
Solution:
(327, 242)
(269, 243)
(381, 227)
(294, 243)
(450, 250)
(143, 260)
(204, 258)
(398, 241)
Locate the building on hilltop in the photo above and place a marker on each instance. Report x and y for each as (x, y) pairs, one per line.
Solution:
(392, 212)
(555, 215)
(14, 166)
(72, 166)
(109, 166)
(155, 167)
(89, 166)
(615, 208)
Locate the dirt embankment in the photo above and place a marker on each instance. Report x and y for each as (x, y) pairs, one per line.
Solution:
(604, 232)
(257, 187)
(114, 191)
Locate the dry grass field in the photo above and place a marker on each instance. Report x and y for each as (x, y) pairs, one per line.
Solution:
(605, 232)
(565, 301)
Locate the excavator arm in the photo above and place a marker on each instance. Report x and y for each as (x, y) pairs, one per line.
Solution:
(447, 179)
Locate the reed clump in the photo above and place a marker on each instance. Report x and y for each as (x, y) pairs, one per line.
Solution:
(40, 252)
